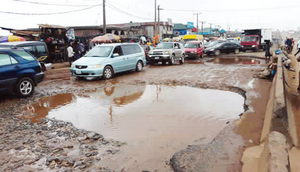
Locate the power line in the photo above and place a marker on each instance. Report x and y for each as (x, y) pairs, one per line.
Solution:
(257, 9)
(121, 11)
(42, 3)
(65, 12)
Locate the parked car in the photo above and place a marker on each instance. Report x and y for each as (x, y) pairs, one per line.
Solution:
(108, 59)
(36, 48)
(225, 47)
(194, 49)
(213, 43)
(167, 52)
(234, 40)
(20, 72)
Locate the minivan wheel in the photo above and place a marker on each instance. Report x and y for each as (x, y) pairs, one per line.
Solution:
(108, 72)
(236, 51)
(25, 87)
(217, 52)
(139, 66)
(172, 60)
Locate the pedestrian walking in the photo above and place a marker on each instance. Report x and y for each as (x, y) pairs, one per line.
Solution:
(70, 54)
(298, 49)
(267, 51)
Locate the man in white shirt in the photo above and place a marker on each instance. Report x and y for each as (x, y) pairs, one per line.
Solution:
(70, 54)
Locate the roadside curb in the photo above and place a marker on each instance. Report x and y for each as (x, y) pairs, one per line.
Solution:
(272, 153)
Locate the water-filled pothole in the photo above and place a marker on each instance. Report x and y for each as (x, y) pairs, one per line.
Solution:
(156, 121)
(235, 60)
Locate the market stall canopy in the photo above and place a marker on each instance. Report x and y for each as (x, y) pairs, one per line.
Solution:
(11, 38)
(101, 39)
(112, 37)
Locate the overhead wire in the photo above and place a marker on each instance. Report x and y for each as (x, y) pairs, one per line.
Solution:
(56, 13)
(42, 3)
(124, 12)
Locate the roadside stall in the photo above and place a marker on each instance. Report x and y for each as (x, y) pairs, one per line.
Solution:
(55, 38)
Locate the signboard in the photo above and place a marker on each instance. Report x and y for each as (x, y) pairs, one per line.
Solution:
(70, 34)
(170, 22)
(190, 25)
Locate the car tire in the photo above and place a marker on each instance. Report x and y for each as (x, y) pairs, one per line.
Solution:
(25, 87)
(108, 72)
(139, 66)
(217, 52)
(236, 51)
(172, 60)
(182, 60)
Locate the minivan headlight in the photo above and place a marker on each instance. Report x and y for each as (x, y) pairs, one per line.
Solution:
(72, 66)
(94, 66)
(150, 52)
(166, 52)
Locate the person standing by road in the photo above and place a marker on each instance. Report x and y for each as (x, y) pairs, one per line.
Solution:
(298, 48)
(70, 54)
(267, 51)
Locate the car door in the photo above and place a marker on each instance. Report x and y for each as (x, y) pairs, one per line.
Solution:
(118, 62)
(225, 48)
(41, 52)
(132, 53)
(8, 71)
(177, 50)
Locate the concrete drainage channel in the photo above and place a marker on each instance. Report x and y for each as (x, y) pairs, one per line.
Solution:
(280, 136)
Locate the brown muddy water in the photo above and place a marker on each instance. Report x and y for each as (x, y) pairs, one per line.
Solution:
(235, 60)
(155, 121)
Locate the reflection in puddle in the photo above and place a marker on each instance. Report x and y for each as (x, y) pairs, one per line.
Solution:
(155, 121)
(234, 60)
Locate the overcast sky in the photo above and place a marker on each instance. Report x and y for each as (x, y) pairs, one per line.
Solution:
(238, 14)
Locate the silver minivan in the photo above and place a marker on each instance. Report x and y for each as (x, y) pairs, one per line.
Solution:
(107, 59)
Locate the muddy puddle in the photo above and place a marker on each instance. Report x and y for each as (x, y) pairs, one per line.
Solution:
(235, 60)
(155, 121)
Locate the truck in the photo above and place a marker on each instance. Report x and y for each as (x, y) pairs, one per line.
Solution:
(255, 39)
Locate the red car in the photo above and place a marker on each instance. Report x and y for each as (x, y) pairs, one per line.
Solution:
(194, 49)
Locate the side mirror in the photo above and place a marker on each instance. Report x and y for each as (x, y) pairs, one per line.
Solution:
(115, 55)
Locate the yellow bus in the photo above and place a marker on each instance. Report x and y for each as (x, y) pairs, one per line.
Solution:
(192, 38)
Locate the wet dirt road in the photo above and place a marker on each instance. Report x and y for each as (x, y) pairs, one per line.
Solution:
(117, 109)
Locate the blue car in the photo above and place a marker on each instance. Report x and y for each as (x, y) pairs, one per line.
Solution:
(20, 72)
(107, 59)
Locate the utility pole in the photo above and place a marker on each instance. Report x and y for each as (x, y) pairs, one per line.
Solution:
(158, 8)
(104, 18)
(202, 26)
(154, 17)
(197, 21)
(210, 27)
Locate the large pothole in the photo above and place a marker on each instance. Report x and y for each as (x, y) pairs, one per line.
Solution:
(156, 121)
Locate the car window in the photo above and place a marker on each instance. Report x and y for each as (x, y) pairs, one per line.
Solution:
(24, 55)
(179, 47)
(127, 49)
(30, 49)
(13, 60)
(5, 60)
(41, 49)
(136, 49)
(118, 50)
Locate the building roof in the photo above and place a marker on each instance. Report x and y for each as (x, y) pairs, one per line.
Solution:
(51, 26)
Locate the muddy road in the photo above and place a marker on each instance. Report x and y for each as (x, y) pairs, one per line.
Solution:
(201, 115)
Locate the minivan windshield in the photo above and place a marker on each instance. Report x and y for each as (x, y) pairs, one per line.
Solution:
(190, 45)
(99, 51)
(164, 46)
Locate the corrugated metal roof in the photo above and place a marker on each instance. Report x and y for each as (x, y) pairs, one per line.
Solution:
(51, 26)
